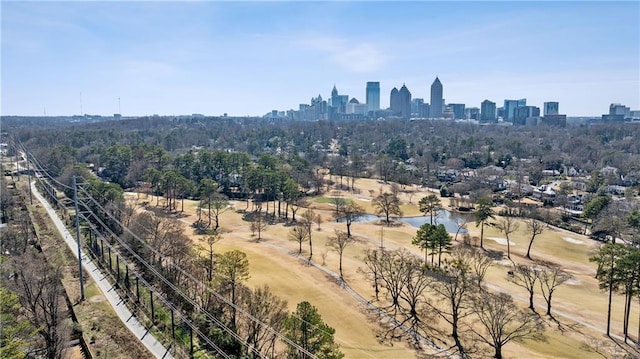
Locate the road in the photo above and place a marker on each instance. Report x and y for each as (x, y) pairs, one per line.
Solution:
(147, 339)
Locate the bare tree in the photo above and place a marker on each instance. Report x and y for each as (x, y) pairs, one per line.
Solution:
(318, 220)
(387, 204)
(461, 223)
(524, 276)
(258, 224)
(500, 321)
(339, 243)
(534, 227)
(373, 269)
(480, 264)
(338, 203)
(299, 233)
(308, 216)
(454, 286)
(508, 225)
(551, 276)
(414, 314)
(350, 213)
(40, 293)
(267, 308)
(297, 203)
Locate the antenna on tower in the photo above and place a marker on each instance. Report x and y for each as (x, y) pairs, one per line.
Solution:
(80, 103)
(119, 111)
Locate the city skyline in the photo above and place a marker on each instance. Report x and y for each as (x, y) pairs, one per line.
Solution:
(249, 58)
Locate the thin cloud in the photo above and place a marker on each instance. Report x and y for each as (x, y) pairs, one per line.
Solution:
(353, 56)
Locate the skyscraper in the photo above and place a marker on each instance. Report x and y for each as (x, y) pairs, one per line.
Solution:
(436, 99)
(551, 108)
(394, 101)
(524, 115)
(510, 108)
(458, 110)
(373, 96)
(404, 99)
(488, 111)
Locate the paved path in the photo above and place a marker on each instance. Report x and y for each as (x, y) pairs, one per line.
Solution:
(148, 340)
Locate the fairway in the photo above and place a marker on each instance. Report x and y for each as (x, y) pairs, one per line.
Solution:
(579, 305)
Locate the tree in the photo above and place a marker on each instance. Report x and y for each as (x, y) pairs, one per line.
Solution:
(208, 188)
(266, 308)
(217, 204)
(296, 203)
(299, 233)
(349, 213)
(524, 276)
(430, 205)
(500, 321)
(477, 261)
(307, 219)
(423, 240)
(629, 269)
(484, 212)
(397, 149)
(318, 220)
(338, 203)
(211, 239)
(258, 223)
(434, 238)
(373, 268)
(461, 223)
(596, 181)
(593, 208)
(339, 243)
(39, 290)
(551, 276)
(15, 332)
(608, 260)
(508, 225)
(454, 287)
(232, 269)
(534, 227)
(306, 328)
(387, 204)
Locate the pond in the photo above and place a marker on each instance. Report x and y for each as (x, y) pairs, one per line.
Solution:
(443, 217)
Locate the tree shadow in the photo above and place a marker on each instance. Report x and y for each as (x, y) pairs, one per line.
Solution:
(495, 255)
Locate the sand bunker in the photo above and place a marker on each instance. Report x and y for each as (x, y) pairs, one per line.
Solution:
(573, 240)
(502, 241)
(573, 281)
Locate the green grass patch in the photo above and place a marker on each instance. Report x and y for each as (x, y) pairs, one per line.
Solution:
(330, 200)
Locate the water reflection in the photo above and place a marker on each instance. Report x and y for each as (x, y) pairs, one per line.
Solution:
(443, 217)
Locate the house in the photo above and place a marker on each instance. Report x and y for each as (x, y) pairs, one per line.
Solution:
(544, 193)
(615, 190)
(575, 203)
(608, 171)
(552, 173)
(579, 185)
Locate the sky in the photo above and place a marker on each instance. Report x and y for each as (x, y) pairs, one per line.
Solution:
(248, 58)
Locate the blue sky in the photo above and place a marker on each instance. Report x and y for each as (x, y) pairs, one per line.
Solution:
(247, 58)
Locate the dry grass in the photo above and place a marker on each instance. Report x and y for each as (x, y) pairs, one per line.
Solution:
(274, 261)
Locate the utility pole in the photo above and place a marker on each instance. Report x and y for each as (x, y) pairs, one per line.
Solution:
(75, 200)
(29, 179)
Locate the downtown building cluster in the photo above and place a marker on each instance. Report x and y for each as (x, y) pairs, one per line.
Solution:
(402, 105)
